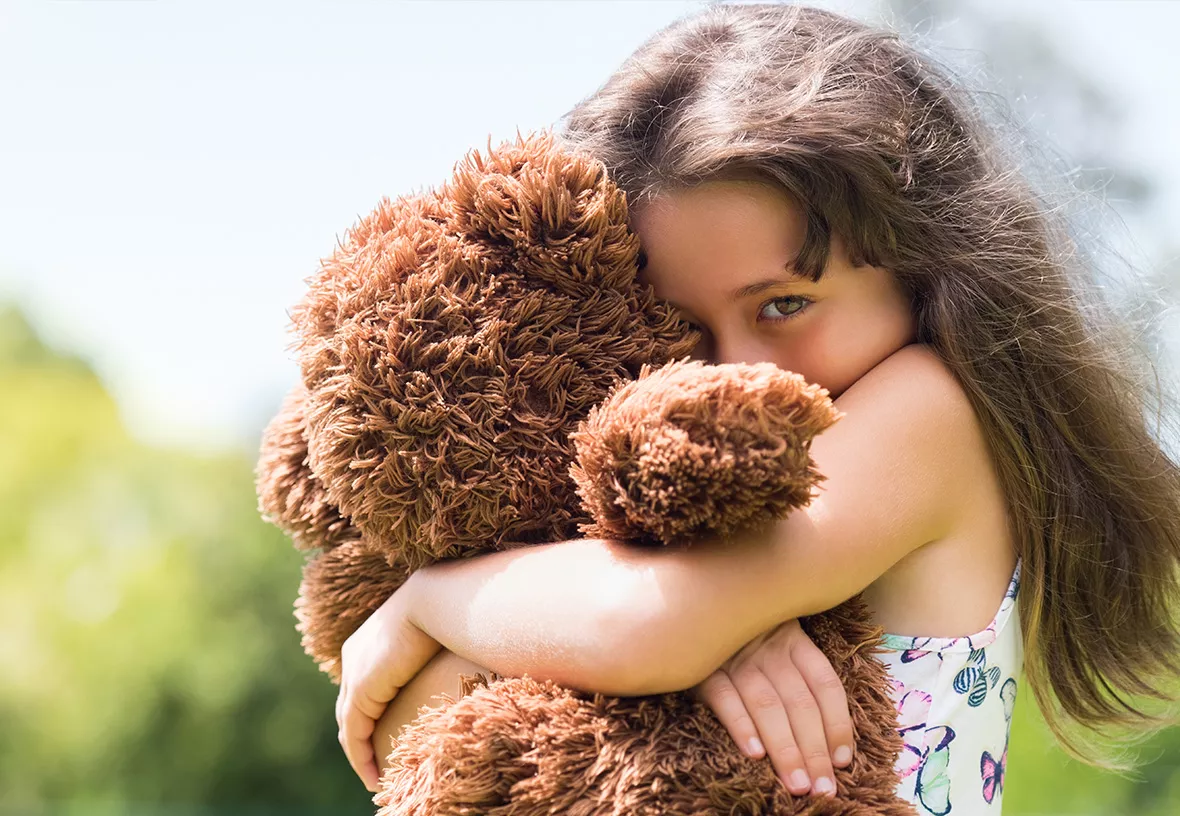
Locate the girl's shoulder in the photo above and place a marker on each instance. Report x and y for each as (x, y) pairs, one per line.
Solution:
(919, 389)
(917, 370)
(929, 384)
(951, 586)
(921, 361)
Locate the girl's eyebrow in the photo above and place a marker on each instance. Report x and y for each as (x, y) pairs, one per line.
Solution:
(762, 286)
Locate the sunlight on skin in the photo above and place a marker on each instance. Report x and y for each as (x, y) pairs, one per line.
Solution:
(594, 607)
(441, 675)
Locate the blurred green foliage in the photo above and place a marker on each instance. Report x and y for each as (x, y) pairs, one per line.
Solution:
(1044, 781)
(151, 660)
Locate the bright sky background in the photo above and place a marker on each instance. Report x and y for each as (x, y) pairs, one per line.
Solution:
(170, 172)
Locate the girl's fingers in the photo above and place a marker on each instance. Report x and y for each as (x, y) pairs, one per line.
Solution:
(357, 717)
(829, 694)
(765, 705)
(780, 696)
(719, 694)
(807, 725)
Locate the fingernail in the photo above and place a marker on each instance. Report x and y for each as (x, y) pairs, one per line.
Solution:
(842, 755)
(755, 747)
(799, 779)
(824, 785)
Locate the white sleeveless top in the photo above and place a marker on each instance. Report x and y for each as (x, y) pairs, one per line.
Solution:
(955, 698)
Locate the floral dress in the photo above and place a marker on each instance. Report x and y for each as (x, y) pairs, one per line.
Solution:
(955, 698)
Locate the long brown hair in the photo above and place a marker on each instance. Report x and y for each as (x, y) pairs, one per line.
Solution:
(881, 147)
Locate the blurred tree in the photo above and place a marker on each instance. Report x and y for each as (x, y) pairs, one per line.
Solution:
(150, 649)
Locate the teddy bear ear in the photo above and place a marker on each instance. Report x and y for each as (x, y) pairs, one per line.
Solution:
(549, 215)
(290, 496)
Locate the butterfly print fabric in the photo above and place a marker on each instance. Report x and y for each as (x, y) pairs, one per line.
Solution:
(955, 698)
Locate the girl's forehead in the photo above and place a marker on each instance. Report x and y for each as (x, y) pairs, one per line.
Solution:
(721, 205)
(722, 224)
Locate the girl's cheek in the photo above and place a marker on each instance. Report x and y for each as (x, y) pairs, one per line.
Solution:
(805, 352)
(825, 356)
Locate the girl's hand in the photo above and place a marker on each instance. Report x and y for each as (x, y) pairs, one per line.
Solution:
(376, 661)
(780, 695)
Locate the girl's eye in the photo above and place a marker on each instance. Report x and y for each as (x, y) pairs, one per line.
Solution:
(781, 308)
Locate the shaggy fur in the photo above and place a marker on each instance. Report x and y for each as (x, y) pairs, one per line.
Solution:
(457, 351)
(694, 449)
(516, 747)
(293, 497)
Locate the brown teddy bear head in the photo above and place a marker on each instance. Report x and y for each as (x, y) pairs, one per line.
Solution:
(448, 348)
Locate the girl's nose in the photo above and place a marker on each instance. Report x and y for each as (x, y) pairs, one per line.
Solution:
(703, 350)
(730, 349)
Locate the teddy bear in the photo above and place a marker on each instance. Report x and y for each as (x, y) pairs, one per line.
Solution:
(482, 368)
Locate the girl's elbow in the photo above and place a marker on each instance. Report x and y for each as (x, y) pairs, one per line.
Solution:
(646, 676)
(638, 674)
(641, 656)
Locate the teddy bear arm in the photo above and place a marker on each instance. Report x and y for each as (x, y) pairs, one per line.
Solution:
(290, 496)
(692, 450)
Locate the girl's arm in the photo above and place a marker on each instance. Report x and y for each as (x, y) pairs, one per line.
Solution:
(619, 619)
(624, 620)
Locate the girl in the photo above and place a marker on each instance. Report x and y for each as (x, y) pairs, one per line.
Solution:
(810, 192)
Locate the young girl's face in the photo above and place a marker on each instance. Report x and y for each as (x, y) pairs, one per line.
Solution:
(720, 251)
